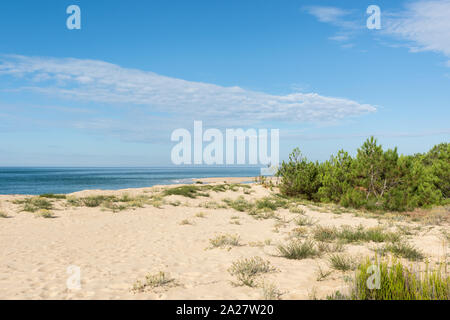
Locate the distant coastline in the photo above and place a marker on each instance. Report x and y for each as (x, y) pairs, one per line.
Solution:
(64, 180)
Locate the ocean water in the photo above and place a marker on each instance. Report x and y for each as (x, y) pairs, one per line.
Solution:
(35, 181)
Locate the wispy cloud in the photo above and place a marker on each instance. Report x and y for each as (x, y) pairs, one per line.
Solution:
(421, 25)
(424, 24)
(346, 22)
(98, 81)
(333, 15)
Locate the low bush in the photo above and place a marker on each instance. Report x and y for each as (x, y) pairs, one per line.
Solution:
(398, 282)
(298, 250)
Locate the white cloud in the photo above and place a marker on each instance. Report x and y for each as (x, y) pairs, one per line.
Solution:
(344, 19)
(327, 14)
(98, 81)
(426, 24)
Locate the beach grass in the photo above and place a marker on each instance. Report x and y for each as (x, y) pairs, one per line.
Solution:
(270, 291)
(296, 249)
(53, 196)
(304, 221)
(349, 234)
(398, 282)
(160, 279)
(190, 191)
(246, 270)
(225, 240)
(240, 204)
(34, 204)
(44, 213)
(404, 250)
(341, 262)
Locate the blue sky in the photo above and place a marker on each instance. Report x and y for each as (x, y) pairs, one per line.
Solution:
(111, 93)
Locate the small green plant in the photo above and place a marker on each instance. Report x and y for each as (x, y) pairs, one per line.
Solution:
(111, 202)
(73, 201)
(53, 196)
(44, 213)
(34, 204)
(376, 234)
(337, 296)
(324, 233)
(349, 234)
(175, 203)
(96, 201)
(322, 274)
(114, 207)
(296, 209)
(190, 191)
(341, 262)
(405, 250)
(300, 232)
(326, 247)
(270, 203)
(225, 240)
(263, 214)
(270, 291)
(3, 215)
(200, 215)
(240, 204)
(156, 201)
(212, 205)
(160, 279)
(185, 222)
(304, 221)
(235, 221)
(296, 249)
(246, 270)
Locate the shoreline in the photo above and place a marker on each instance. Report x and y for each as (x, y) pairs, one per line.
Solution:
(209, 180)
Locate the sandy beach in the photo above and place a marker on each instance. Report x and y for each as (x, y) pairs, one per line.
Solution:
(116, 248)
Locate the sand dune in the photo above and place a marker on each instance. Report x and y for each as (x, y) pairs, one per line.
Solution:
(115, 249)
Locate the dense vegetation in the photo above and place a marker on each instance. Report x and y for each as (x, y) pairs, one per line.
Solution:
(398, 282)
(375, 179)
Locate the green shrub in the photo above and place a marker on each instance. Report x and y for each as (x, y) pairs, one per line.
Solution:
(438, 158)
(374, 180)
(336, 177)
(398, 282)
(299, 177)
